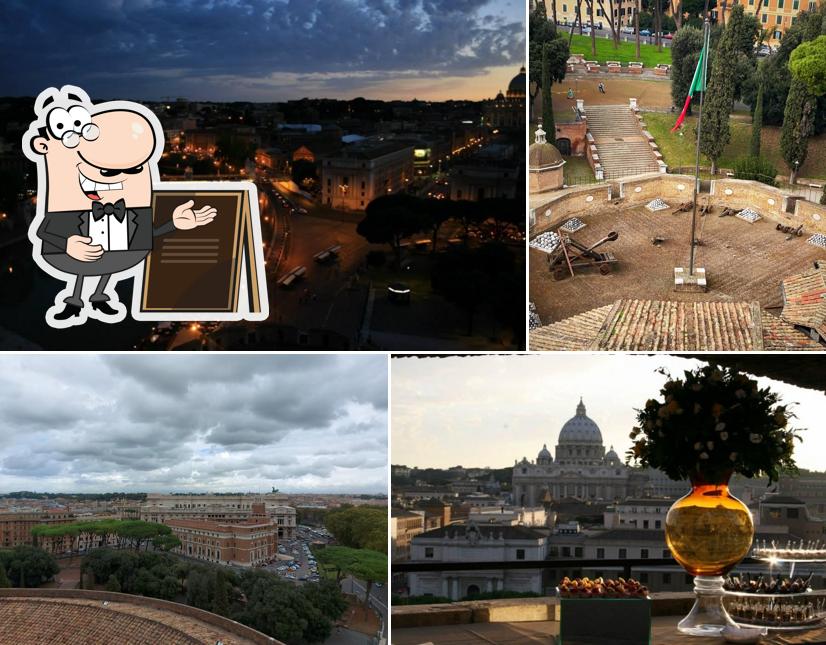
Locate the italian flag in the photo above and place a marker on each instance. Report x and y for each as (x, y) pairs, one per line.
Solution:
(698, 84)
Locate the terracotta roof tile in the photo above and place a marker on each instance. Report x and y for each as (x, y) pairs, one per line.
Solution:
(659, 325)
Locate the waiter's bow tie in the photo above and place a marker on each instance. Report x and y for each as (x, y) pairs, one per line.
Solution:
(118, 209)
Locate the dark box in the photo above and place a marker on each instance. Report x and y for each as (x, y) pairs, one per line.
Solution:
(605, 621)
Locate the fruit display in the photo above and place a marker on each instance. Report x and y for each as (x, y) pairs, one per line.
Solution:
(601, 588)
(767, 585)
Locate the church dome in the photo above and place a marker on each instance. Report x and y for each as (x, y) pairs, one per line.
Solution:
(517, 85)
(544, 454)
(580, 429)
(543, 155)
(612, 458)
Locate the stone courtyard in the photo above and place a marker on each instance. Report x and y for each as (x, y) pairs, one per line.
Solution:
(744, 262)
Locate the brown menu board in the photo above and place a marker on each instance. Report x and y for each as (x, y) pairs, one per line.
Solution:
(200, 270)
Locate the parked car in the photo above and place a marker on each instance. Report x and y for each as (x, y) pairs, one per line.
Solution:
(645, 32)
(668, 36)
(626, 30)
(586, 31)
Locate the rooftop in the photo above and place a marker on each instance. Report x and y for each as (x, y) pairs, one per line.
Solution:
(803, 300)
(744, 262)
(662, 325)
(77, 616)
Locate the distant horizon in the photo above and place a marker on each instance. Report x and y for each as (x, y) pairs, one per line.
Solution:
(191, 492)
(445, 412)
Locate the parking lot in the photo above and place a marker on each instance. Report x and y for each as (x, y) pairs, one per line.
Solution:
(295, 558)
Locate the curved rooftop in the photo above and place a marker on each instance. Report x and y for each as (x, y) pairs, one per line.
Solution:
(543, 155)
(80, 616)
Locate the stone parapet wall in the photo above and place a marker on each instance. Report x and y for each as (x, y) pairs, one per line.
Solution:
(569, 202)
(769, 202)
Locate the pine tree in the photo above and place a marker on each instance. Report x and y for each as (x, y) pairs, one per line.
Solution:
(548, 123)
(757, 121)
(798, 126)
(719, 96)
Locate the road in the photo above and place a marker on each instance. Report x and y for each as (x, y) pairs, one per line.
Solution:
(606, 33)
(378, 597)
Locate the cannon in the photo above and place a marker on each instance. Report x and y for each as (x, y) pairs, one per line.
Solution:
(727, 212)
(571, 255)
(791, 230)
(683, 208)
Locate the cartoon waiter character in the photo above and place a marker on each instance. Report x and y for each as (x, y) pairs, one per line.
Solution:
(97, 165)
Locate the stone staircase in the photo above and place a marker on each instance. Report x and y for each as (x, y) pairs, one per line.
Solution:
(623, 149)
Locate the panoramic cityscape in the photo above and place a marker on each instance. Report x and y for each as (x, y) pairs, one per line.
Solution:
(199, 486)
(391, 200)
(548, 480)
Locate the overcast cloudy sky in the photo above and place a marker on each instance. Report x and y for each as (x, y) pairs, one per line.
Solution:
(193, 422)
(490, 410)
(263, 50)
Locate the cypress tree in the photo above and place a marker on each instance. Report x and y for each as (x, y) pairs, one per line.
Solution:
(719, 97)
(548, 123)
(798, 126)
(757, 121)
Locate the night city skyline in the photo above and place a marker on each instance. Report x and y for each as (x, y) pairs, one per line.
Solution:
(266, 50)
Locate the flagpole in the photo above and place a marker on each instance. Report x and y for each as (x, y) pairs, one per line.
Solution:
(706, 32)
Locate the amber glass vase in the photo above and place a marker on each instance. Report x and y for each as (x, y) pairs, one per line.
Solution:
(708, 532)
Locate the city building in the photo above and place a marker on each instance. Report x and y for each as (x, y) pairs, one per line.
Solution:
(507, 111)
(404, 526)
(510, 516)
(221, 508)
(645, 514)
(582, 470)
(363, 171)
(245, 544)
(790, 513)
(16, 526)
(477, 543)
(775, 16)
(486, 174)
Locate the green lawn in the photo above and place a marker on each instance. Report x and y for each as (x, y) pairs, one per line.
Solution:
(577, 171)
(626, 53)
(680, 150)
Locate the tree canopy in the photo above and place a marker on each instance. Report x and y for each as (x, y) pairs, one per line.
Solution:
(359, 527)
(808, 64)
(28, 566)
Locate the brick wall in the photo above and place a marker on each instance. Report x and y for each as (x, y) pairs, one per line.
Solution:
(674, 189)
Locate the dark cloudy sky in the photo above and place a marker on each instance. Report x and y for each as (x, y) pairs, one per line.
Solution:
(262, 50)
(88, 423)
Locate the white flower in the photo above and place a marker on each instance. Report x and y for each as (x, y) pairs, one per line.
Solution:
(720, 427)
(740, 394)
(698, 446)
(755, 438)
(724, 436)
(733, 456)
(710, 445)
(703, 455)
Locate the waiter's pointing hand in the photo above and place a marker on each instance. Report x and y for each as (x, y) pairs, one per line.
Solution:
(184, 218)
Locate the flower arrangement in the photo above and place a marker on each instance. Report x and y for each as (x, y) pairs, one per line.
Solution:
(712, 423)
